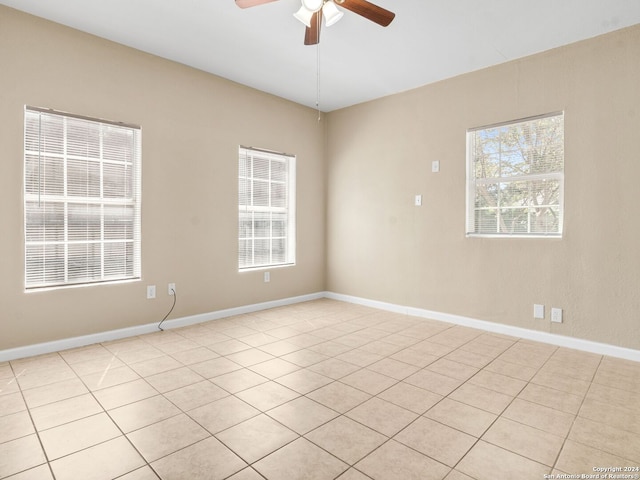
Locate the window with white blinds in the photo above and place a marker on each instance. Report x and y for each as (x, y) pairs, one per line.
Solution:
(81, 200)
(515, 178)
(266, 201)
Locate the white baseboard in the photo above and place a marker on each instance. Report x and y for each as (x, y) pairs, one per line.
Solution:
(81, 341)
(544, 337)
(550, 338)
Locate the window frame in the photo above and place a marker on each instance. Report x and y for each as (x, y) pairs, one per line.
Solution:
(104, 246)
(472, 181)
(289, 209)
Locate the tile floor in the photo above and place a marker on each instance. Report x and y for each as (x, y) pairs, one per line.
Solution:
(319, 390)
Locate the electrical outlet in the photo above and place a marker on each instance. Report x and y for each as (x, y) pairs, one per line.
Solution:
(151, 291)
(435, 166)
(171, 289)
(267, 277)
(556, 315)
(538, 311)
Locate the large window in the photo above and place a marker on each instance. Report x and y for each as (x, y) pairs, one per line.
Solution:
(515, 178)
(266, 204)
(81, 200)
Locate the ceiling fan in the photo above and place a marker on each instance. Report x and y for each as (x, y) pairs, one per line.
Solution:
(311, 13)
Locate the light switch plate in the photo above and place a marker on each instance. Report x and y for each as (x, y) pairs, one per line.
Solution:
(435, 166)
(418, 201)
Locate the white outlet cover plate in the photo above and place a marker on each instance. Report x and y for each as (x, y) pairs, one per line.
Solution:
(556, 315)
(538, 311)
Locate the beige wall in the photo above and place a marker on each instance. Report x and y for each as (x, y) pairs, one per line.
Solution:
(382, 247)
(192, 124)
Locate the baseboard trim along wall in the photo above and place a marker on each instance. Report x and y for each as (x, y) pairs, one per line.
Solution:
(84, 340)
(550, 338)
(543, 337)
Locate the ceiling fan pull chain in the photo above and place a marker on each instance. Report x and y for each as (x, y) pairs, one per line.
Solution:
(319, 19)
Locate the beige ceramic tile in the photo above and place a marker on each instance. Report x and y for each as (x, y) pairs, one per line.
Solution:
(393, 368)
(214, 367)
(561, 382)
(360, 358)
(228, 347)
(173, 379)
(353, 474)
(249, 357)
(462, 417)
(222, 414)
(196, 395)
(43, 472)
(275, 368)
(549, 397)
(514, 370)
(15, 425)
(368, 381)
(303, 381)
(75, 436)
(257, 437)
(267, 395)
(339, 397)
(334, 368)
(413, 357)
(456, 475)
(144, 473)
(124, 394)
(142, 413)
(469, 358)
(436, 440)
(58, 413)
(167, 436)
(304, 358)
(238, 380)
(382, 416)
(538, 416)
(577, 458)
(482, 398)
(300, 459)
(36, 397)
(527, 441)
(97, 365)
(206, 460)
(394, 461)
(11, 403)
(488, 462)
(452, 369)
(498, 382)
(257, 339)
(246, 474)
(195, 355)
(606, 437)
(434, 382)
(612, 415)
(20, 454)
(302, 415)
(415, 399)
(97, 462)
(109, 378)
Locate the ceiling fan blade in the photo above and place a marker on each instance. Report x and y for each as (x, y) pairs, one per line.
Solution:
(251, 3)
(312, 34)
(368, 10)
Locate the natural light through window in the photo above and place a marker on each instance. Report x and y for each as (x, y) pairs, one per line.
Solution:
(515, 178)
(266, 201)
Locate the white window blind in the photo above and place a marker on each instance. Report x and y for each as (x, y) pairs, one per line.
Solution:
(515, 178)
(266, 204)
(81, 200)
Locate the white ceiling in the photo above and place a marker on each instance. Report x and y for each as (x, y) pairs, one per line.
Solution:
(262, 47)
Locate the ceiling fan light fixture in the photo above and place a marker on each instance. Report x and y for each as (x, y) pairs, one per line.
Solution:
(304, 15)
(312, 5)
(331, 13)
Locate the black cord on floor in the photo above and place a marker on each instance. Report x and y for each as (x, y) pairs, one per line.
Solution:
(175, 297)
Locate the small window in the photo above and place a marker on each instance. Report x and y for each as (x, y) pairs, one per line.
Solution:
(81, 200)
(266, 204)
(515, 178)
